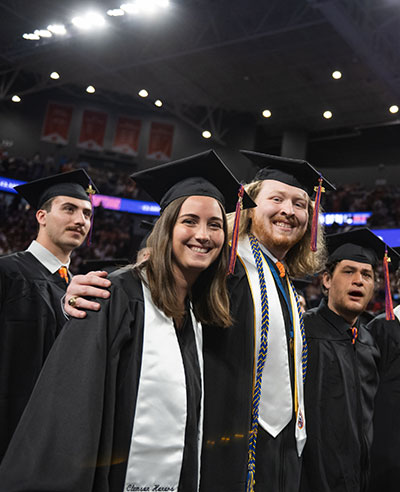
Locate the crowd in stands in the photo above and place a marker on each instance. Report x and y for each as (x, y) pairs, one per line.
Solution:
(118, 234)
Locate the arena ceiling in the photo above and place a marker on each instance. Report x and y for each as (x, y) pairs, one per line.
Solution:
(209, 60)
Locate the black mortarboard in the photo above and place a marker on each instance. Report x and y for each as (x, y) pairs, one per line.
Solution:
(363, 246)
(76, 184)
(360, 245)
(294, 172)
(202, 174)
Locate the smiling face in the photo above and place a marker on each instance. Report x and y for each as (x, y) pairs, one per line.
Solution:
(350, 288)
(280, 219)
(198, 236)
(65, 226)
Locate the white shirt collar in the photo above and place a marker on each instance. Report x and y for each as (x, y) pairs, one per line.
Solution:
(267, 252)
(47, 259)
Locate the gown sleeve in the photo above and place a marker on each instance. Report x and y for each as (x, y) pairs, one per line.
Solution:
(62, 440)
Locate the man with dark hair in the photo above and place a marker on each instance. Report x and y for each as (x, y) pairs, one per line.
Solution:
(342, 374)
(385, 457)
(32, 283)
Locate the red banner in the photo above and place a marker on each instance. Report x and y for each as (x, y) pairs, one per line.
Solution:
(57, 123)
(160, 142)
(93, 130)
(126, 139)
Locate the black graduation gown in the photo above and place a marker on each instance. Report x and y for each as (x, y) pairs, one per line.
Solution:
(228, 379)
(385, 451)
(76, 431)
(341, 384)
(30, 320)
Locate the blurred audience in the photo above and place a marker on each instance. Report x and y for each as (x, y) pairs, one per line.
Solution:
(114, 234)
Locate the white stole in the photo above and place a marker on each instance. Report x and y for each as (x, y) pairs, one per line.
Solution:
(158, 435)
(276, 407)
(396, 311)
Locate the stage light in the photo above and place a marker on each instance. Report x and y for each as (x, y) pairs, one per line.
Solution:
(267, 113)
(115, 12)
(327, 115)
(54, 75)
(31, 37)
(43, 33)
(129, 8)
(158, 103)
(146, 6)
(394, 109)
(143, 93)
(16, 99)
(206, 134)
(58, 29)
(90, 89)
(337, 75)
(88, 21)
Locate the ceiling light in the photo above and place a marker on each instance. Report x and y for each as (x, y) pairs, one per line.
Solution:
(31, 37)
(394, 109)
(146, 6)
(88, 21)
(267, 113)
(163, 3)
(90, 89)
(206, 134)
(43, 33)
(337, 75)
(115, 12)
(158, 103)
(327, 115)
(95, 19)
(143, 93)
(54, 75)
(129, 8)
(16, 99)
(58, 29)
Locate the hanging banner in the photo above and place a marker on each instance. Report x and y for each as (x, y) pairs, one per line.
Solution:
(160, 141)
(57, 123)
(93, 130)
(126, 139)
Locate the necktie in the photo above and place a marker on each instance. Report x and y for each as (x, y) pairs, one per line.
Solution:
(63, 272)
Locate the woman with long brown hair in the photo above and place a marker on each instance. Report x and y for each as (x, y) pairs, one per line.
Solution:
(119, 404)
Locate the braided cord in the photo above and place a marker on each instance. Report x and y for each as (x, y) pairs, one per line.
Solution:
(262, 356)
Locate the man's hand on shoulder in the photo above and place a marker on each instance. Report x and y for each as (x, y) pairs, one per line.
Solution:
(93, 284)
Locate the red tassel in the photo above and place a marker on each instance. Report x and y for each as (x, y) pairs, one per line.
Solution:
(314, 228)
(388, 294)
(235, 233)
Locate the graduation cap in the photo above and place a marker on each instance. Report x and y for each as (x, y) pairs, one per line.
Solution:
(202, 174)
(76, 184)
(363, 246)
(293, 172)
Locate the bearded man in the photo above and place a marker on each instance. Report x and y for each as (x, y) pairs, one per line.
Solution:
(255, 421)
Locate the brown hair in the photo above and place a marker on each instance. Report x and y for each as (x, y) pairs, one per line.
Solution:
(300, 260)
(209, 294)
